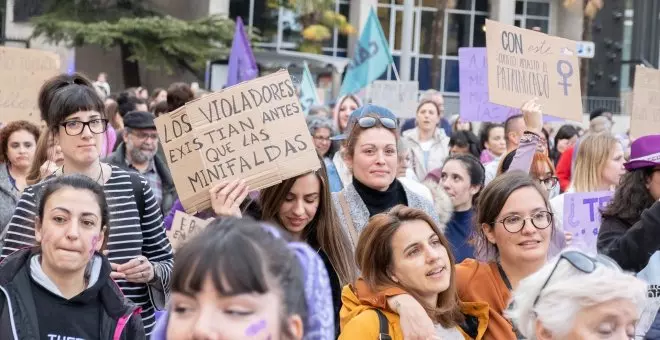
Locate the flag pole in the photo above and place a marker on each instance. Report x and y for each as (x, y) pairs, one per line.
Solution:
(396, 73)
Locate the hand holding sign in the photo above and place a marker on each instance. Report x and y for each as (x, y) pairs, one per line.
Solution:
(533, 116)
(226, 197)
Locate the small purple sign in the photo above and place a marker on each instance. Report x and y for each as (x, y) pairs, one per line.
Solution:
(582, 218)
(473, 89)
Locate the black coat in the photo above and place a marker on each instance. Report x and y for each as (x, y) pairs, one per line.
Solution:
(18, 316)
(631, 245)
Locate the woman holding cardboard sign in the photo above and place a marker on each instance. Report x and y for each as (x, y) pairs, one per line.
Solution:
(302, 205)
(140, 252)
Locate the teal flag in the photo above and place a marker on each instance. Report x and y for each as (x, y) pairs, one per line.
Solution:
(371, 58)
(307, 91)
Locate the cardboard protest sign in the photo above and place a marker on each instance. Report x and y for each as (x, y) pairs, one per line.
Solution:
(582, 217)
(645, 116)
(22, 72)
(184, 227)
(254, 131)
(398, 96)
(525, 64)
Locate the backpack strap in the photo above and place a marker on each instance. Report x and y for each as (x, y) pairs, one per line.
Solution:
(138, 193)
(347, 216)
(384, 326)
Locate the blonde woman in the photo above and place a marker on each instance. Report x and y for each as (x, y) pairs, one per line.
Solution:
(598, 167)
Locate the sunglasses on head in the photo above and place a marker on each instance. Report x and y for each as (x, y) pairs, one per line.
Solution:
(579, 261)
(368, 122)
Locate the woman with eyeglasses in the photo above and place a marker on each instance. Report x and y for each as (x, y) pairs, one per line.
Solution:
(371, 154)
(428, 143)
(513, 228)
(462, 178)
(629, 230)
(578, 297)
(598, 167)
(138, 249)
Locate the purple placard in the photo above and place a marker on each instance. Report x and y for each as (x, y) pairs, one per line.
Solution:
(582, 218)
(473, 90)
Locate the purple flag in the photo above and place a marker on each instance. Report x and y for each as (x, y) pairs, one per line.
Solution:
(242, 65)
(582, 217)
(473, 89)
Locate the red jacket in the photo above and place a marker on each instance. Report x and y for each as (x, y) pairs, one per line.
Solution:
(564, 168)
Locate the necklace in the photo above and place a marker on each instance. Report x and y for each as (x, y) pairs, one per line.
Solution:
(97, 179)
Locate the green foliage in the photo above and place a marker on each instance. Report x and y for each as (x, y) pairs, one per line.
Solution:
(154, 40)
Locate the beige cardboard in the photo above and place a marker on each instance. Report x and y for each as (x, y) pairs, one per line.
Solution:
(401, 97)
(184, 227)
(525, 64)
(22, 72)
(254, 131)
(645, 117)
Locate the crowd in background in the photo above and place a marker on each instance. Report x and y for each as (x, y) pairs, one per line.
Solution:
(420, 228)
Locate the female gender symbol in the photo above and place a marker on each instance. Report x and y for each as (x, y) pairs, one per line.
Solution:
(565, 75)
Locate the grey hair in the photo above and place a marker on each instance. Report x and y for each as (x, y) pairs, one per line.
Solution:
(314, 110)
(429, 94)
(569, 291)
(317, 122)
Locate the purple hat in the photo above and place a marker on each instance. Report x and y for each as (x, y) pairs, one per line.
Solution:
(644, 152)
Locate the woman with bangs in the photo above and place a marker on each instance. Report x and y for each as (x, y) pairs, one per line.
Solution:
(238, 279)
(138, 249)
(372, 155)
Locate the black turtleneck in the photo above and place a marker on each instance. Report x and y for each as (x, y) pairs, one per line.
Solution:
(380, 201)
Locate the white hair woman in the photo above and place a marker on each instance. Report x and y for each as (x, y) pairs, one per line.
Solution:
(577, 296)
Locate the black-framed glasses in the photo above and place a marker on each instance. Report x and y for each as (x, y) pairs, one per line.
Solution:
(515, 223)
(368, 122)
(76, 127)
(579, 261)
(550, 182)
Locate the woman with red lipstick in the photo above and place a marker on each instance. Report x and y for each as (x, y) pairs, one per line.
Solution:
(302, 205)
(429, 145)
(404, 248)
(18, 142)
(138, 249)
(371, 152)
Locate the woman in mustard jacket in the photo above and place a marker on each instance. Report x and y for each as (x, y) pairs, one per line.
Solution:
(404, 248)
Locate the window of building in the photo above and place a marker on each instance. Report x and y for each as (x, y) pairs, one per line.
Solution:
(463, 27)
(533, 13)
(279, 28)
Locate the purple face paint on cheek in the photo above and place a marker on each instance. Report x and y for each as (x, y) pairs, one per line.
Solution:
(255, 328)
(95, 241)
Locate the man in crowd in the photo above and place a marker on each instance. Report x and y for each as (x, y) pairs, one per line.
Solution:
(514, 127)
(138, 153)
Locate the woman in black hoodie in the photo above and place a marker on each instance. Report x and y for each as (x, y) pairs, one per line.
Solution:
(61, 288)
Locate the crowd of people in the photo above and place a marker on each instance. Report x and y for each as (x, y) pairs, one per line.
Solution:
(424, 228)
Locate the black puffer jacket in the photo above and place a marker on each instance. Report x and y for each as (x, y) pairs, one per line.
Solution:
(120, 319)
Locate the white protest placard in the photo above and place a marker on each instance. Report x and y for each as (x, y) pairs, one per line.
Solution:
(254, 131)
(401, 97)
(525, 64)
(22, 72)
(184, 227)
(645, 116)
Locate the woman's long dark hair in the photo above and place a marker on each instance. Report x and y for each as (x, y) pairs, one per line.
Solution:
(631, 196)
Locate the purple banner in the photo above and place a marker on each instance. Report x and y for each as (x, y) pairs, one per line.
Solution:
(473, 90)
(582, 218)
